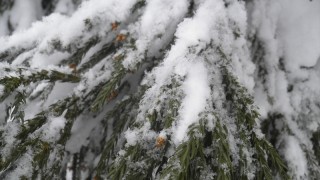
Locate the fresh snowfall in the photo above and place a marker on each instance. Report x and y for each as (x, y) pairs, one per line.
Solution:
(160, 89)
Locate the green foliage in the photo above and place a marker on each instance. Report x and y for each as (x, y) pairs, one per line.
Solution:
(148, 156)
(31, 125)
(109, 91)
(12, 83)
(120, 118)
(223, 165)
(18, 151)
(189, 157)
(40, 148)
(316, 142)
(208, 151)
(246, 116)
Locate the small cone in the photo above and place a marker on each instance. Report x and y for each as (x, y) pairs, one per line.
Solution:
(160, 141)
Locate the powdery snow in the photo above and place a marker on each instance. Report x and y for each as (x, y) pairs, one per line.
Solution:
(288, 30)
(155, 28)
(65, 7)
(289, 33)
(67, 29)
(55, 125)
(197, 91)
(296, 158)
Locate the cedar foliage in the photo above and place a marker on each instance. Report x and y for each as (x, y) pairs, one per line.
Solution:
(225, 143)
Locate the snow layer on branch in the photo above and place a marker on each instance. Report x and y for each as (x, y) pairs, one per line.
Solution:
(69, 29)
(295, 156)
(197, 90)
(209, 25)
(243, 68)
(23, 13)
(190, 32)
(54, 127)
(155, 28)
(193, 32)
(289, 30)
(188, 72)
(289, 33)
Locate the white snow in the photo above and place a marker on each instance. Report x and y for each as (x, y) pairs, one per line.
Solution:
(131, 137)
(39, 88)
(43, 60)
(296, 158)
(65, 7)
(289, 32)
(57, 123)
(67, 29)
(157, 19)
(155, 28)
(24, 166)
(53, 127)
(197, 90)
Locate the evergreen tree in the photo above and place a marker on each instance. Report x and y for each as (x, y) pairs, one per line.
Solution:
(159, 89)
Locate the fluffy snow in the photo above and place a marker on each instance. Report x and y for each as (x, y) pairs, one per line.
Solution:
(65, 7)
(197, 90)
(56, 124)
(295, 155)
(39, 88)
(131, 137)
(157, 19)
(67, 29)
(288, 30)
(155, 28)
(191, 32)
